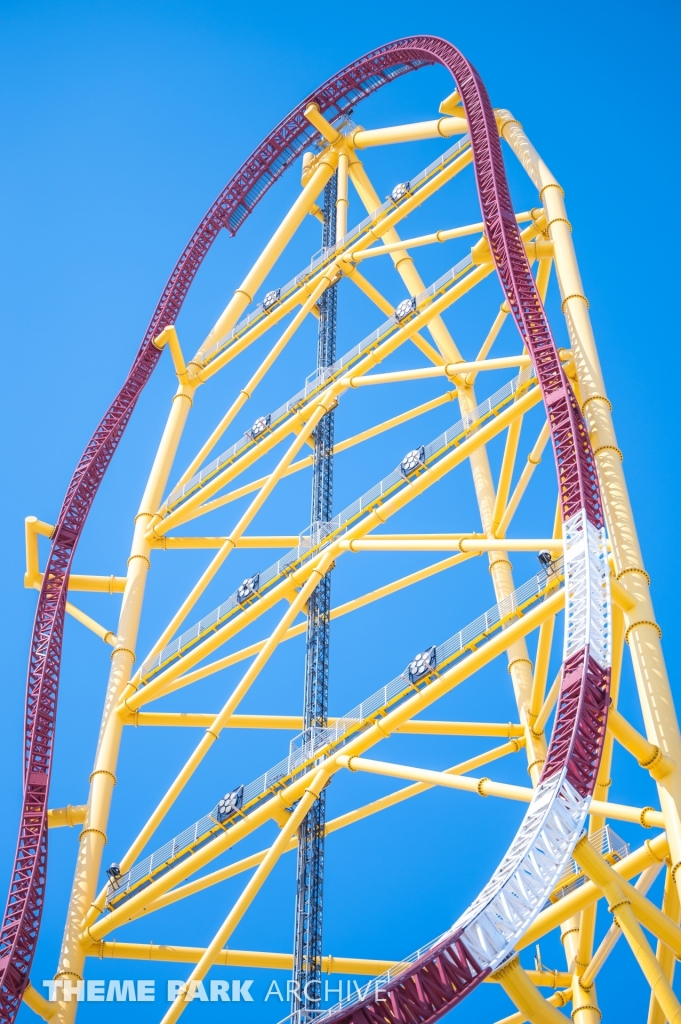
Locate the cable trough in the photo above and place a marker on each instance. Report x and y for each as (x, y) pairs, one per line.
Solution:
(308, 749)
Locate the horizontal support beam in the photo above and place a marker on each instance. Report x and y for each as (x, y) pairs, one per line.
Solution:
(271, 961)
(33, 578)
(91, 584)
(462, 544)
(183, 543)
(654, 851)
(450, 370)
(442, 128)
(204, 721)
(232, 958)
(107, 635)
(343, 821)
(646, 816)
(436, 236)
(417, 727)
(72, 814)
(421, 727)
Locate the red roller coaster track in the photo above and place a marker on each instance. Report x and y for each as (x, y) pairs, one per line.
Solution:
(444, 975)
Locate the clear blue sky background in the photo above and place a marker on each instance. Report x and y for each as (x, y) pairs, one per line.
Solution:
(121, 124)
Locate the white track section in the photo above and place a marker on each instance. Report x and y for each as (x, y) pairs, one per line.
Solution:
(587, 590)
(527, 875)
(535, 861)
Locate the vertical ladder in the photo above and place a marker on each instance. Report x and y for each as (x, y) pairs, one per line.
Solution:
(307, 944)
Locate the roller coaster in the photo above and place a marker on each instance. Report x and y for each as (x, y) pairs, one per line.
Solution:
(566, 867)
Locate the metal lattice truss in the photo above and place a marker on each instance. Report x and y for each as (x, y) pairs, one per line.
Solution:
(553, 874)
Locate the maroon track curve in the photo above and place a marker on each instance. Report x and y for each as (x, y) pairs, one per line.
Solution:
(428, 993)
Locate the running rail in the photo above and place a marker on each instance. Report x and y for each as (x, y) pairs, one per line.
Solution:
(439, 977)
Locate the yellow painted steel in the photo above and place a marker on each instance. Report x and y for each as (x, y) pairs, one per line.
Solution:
(524, 994)
(445, 235)
(246, 863)
(647, 754)
(342, 197)
(614, 933)
(245, 293)
(231, 958)
(306, 462)
(37, 1002)
(533, 460)
(58, 817)
(627, 904)
(506, 473)
(541, 668)
(235, 915)
(654, 851)
(448, 370)
(271, 961)
(168, 336)
(183, 543)
(218, 724)
(107, 635)
(443, 128)
(545, 710)
(392, 721)
(364, 526)
(91, 584)
(467, 543)
(547, 240)
(246, 393)
(419, 727)
(329, 395)
(646, 816)
(103, 778)
(350, 271)
(557, 999)
(344, 609)
(665, 954)
(231, 542)
(643, 634)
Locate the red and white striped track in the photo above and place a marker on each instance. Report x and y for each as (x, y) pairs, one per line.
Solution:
(486, 933)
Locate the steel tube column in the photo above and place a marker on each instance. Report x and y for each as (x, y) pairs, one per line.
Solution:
(643, 635)
(307, 942)
(93, 837)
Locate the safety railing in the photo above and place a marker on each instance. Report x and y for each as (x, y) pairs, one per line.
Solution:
(605, 841)
(324, 256)
(307, 749)
(313, 540)
(314, 383)
(608, 844)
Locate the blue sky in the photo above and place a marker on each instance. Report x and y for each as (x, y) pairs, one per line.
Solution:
(121, 124)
